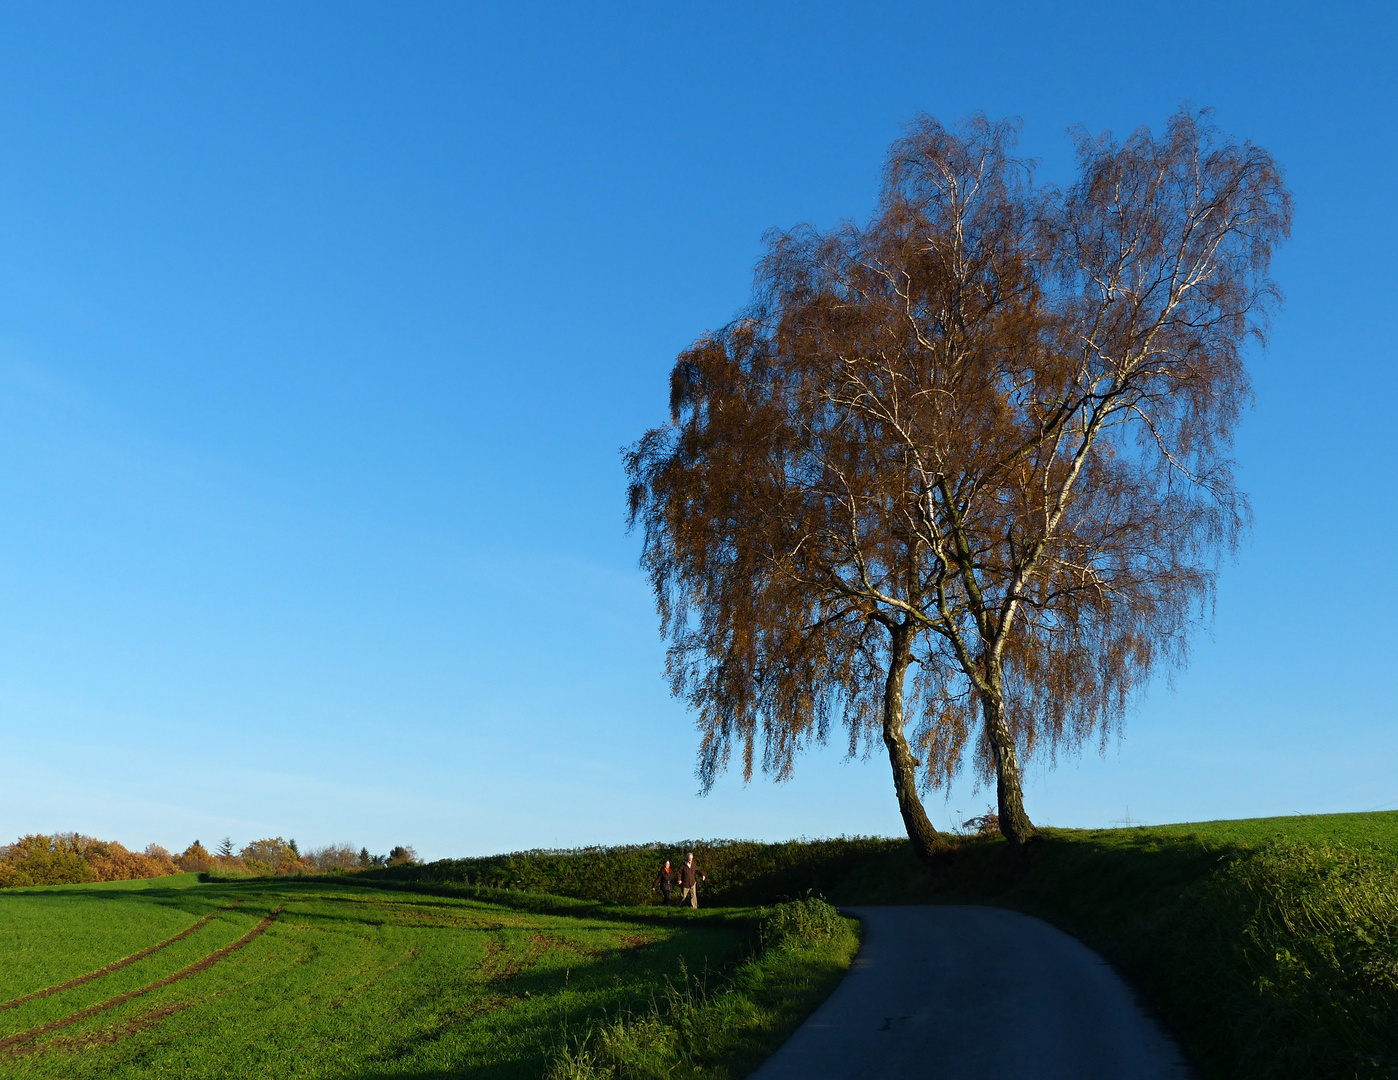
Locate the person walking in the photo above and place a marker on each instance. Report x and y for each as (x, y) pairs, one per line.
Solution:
(690, 876)
(664, 881)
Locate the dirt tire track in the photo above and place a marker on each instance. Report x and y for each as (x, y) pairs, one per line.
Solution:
(13, 1044)
(500, 966)
(115, 965)
(109, 1035)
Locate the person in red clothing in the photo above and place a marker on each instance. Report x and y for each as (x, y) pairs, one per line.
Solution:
(690, 877)
(664, 881)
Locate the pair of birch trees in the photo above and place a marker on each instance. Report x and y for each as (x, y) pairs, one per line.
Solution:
(958, 480)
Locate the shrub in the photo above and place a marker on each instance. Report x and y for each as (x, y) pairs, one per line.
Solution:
(230, 866)
(71, 858)
(112, 862)
(195, 859)
(44, 860)
(799, 921)
(272, 855)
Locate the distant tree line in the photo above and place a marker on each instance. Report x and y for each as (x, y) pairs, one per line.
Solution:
(71, 858)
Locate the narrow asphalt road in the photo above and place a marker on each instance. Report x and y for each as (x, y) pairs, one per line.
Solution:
(975, 993)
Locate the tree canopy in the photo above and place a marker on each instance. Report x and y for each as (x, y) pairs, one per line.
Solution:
(985, 436)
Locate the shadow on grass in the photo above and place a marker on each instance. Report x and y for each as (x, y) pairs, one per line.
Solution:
(511, 899)
(534, 1007)
(186, 898)
(720, 1024)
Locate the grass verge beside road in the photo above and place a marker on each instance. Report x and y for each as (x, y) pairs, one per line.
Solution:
(696, 1029)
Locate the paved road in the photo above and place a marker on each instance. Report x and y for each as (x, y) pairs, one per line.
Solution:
(927, 991)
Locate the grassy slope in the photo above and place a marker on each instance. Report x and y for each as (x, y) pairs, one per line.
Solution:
(1270, 945)
(353, 981)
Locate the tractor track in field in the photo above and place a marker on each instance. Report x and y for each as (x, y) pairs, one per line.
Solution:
(115, 965)
(107, 1036)
(501, 966)
(14, 1045)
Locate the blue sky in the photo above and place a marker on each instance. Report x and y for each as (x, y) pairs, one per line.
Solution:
(321, 327)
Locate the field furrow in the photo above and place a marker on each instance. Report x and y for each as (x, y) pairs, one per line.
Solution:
(115, 965)
(15, 1044)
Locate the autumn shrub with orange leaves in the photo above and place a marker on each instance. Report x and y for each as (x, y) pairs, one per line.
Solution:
(71, 858)
(195, 859)
(112, 862)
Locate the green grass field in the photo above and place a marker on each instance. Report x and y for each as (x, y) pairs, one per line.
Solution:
(294, 978)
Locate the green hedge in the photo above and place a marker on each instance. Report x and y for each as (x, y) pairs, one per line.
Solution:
(740, 872)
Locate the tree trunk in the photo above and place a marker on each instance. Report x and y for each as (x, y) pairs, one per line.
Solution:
(926, 840)
(1014, 822)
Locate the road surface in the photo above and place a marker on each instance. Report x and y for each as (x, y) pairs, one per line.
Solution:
(929, 990)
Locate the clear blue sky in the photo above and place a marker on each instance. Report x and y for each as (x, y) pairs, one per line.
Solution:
(321, 327)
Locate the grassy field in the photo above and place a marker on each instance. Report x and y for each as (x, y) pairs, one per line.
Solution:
(281, 978)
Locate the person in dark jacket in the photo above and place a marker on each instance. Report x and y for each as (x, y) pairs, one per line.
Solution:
(664, 881)
(690, 877)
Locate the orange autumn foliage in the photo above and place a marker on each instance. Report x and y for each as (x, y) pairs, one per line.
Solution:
(195, 859)
(71, 858)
